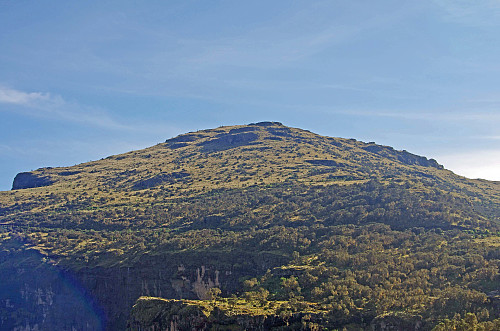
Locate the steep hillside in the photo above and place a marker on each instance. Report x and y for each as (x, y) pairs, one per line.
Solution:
(274, 215)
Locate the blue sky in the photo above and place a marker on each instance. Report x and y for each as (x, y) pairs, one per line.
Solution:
(82, 80)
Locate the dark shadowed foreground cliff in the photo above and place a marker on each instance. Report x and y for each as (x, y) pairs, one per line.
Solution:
(162, 314)
(252, 224)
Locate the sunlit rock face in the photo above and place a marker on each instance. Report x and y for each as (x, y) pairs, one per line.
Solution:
(151, 313)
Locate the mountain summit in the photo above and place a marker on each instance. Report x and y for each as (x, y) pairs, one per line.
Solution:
(237, 156)
(314, 230)
(243, 157)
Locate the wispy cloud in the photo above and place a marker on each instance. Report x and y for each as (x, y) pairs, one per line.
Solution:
(475, 13)
(5, 148)
(47, 105)
(278, 44)
(424, 115)
(22, 98)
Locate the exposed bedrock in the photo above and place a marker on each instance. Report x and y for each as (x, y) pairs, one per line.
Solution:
(30, 180)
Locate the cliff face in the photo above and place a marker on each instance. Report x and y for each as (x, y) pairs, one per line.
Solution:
(179, 315)
(150, 314)
(36, 295)
(169, 276)
(30, 180)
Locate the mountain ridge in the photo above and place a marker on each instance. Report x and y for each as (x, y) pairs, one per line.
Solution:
(235, 157)
(289, 222)
(229, 137)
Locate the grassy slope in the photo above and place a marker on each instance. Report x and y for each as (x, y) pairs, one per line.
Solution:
(109, 183)
(269, 188)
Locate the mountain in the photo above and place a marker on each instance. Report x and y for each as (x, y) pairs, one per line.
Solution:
(294, 228)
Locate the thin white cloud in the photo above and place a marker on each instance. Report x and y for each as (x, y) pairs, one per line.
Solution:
(46, 105)
(16, 97)
(5, 148)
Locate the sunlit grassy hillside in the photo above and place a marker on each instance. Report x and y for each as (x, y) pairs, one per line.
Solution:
(280, 218)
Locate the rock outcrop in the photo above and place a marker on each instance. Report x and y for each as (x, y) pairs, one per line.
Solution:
(151, 313)
(404, 157)
(30, 180)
